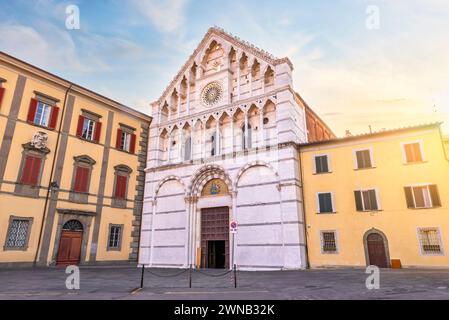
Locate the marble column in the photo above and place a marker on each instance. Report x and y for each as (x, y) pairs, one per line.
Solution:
(188, 97)
(204, 141)
(217, 138)
(169, 148)
(181, 142)
(232, 134)
(188, 204)
(246, 130)
(261, 129)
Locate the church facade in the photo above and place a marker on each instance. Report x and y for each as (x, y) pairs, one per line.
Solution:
(223, 147)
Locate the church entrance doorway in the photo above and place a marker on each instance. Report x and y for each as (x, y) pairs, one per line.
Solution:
(215, 237)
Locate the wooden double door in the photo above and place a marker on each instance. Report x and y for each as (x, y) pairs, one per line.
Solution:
(377, 253)
(215, 238)
(69, 252)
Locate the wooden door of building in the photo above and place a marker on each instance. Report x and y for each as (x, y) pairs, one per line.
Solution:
(376, 250)
(69, 252)
(215, 237)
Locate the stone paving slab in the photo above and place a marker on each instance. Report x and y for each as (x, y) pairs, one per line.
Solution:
(119, 282)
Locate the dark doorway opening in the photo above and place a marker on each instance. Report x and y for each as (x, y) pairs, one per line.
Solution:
(215, 237)
(216, 255)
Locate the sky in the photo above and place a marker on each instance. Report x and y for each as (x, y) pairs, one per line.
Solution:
(380, 63)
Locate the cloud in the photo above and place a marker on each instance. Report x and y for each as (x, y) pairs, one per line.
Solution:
(166, 16)
(50, 48)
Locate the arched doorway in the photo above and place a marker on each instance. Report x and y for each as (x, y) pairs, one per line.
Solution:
(69, 251)
(376, 249)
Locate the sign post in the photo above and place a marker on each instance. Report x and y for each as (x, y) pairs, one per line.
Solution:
(233, 229)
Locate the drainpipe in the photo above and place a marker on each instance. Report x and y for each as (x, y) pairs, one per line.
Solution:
(50, 182)
(303, 207)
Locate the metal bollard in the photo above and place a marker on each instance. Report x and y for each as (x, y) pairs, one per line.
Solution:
(235, 276)
(141, 278)
(190, 277)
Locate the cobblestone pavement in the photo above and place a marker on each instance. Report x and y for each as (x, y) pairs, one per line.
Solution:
(119, 282)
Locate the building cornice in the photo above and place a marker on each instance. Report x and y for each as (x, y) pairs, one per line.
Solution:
(25, 67)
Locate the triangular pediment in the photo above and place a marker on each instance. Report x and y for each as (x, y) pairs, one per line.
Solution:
(228, 42)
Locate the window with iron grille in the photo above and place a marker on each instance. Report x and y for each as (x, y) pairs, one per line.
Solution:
(413, 152)
(363, 159)
(17, 234)
(328, 242)
(429, 239)
(321, 164)
(115, 233)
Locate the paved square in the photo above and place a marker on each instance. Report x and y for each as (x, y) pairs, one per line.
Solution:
(119, 282)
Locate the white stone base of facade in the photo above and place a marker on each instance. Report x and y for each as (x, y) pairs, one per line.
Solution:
(264, 197)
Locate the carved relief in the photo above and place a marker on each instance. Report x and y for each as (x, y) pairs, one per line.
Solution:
(39, 140)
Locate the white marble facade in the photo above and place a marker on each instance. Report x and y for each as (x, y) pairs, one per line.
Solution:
(229, 114)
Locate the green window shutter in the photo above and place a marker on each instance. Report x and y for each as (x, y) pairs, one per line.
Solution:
(358, 200)
(434, 195)
(409, 197)
(373, 199)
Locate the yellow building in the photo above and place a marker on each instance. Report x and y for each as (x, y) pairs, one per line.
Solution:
(378, 199)
(71, 171)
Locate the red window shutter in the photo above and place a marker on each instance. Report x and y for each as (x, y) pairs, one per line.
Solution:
(31, 170)
(97, 132)
(79, 129)
(76, 187)
(119, 139)
(26, 171)
(32, 110)
(2, 92)
(81, 179)
(132, 147)
(120, 187)
(35, 171)
(53, 117)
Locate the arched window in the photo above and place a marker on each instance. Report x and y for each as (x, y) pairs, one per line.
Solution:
(246, 144)
(73, 225)
(188, 149)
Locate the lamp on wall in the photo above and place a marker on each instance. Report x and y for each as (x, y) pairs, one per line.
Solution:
(54, 186)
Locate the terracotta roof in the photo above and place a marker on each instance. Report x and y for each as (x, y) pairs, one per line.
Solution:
(374, 134)
(314, 113)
